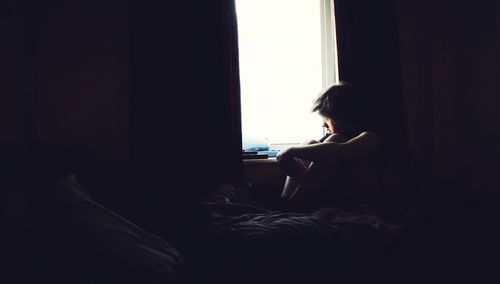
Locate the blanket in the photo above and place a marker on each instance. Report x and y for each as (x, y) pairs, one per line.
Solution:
(74, 239)
(324, 245)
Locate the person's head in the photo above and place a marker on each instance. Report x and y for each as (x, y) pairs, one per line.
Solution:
(341, 108)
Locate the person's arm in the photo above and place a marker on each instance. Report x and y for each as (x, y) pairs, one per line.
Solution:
(360, 146)
(296, 167)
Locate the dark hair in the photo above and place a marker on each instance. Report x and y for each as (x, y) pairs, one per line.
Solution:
(341, 102)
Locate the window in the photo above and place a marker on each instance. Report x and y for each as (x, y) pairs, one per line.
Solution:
(287, 51)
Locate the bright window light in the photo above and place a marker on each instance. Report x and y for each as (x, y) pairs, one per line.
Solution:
(287, 56)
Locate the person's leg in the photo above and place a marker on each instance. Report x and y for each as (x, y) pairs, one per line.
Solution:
(291, 183)
(313, 184)
(316, 179)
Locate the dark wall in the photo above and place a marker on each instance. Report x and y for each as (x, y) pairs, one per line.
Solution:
(66, 74)
(450, 65)
(65, 92)
(67, 86)
(82, 78)
(17, 80)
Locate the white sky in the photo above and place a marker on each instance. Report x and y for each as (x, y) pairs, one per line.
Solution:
(280, 68)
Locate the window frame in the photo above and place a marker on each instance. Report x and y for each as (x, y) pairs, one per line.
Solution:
(329, 43)
(329, 55)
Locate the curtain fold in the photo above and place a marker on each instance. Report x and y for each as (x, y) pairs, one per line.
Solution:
(185, 106)
(217, 87)
(368, 55)
(450, 66)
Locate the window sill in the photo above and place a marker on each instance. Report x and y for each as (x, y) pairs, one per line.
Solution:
(259, 161)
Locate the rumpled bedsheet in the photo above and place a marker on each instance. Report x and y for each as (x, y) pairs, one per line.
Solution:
(328, 242)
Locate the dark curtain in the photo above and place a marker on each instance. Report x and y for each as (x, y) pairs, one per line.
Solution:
(215, 78)
(368, 51)
(185, 108)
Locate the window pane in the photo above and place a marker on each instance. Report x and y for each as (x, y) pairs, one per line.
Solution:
(280, 69)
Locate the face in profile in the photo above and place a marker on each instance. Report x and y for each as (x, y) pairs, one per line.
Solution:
(337, 126)
(329, 125)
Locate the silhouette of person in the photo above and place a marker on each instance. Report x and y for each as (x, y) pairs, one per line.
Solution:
(342, 165)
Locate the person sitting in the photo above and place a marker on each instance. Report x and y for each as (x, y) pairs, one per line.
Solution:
(343, 165)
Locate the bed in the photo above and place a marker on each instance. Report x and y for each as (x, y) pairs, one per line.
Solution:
(453, 238)
(254, 243)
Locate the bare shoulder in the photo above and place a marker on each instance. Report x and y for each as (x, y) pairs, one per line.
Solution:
(366, 142)
(337, 138)
(369, 136)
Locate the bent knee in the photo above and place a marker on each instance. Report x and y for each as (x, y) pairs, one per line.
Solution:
(309, 142)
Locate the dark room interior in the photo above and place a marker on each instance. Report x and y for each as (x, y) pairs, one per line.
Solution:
(119, 120)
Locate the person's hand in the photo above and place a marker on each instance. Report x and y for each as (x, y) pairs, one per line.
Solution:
(292, 166)
(285, 156)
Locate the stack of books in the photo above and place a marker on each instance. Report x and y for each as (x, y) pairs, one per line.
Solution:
(254, 155)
